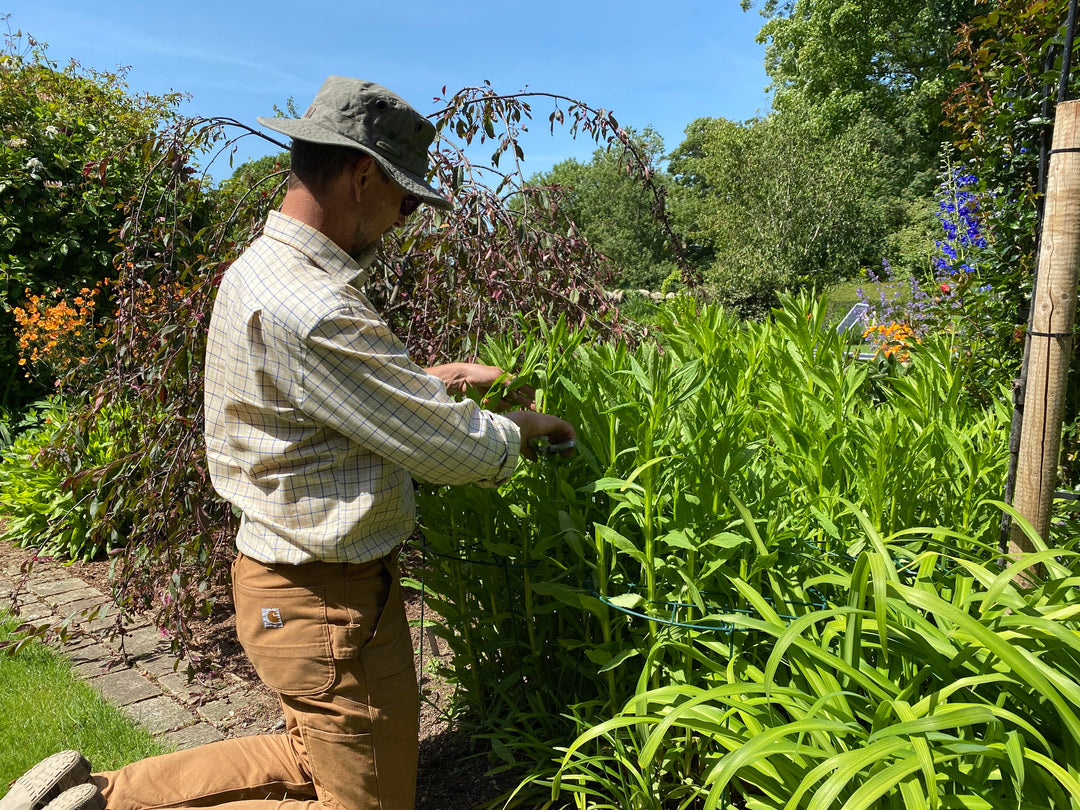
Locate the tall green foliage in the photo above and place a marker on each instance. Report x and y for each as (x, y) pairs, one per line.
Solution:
(710, 505)
(934, 684)
(887, 60)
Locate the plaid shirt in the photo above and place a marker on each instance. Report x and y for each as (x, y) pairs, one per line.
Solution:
(315, 416)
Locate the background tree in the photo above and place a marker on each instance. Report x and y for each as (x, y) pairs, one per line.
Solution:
(881, 68)
(888, 59)
(778, 203)
(71, 145)
(606, 200)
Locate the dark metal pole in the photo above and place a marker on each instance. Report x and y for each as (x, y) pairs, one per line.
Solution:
(1066, 59)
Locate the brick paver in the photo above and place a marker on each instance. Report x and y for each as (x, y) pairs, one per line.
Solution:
(138, 676)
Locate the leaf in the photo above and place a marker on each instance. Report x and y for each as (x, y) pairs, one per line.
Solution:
(1025, 669)
(764, 563)
(502, 751)
(618, 659)
(753, 754)
(621, 543)
(609, 485)
(948, 717)
(877, 785)
(678, 540)
(826, 523)
(840, 770)
(630, 601)
(563, 593)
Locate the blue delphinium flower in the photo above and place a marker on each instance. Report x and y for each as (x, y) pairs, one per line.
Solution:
(958, 212)
(956, 260)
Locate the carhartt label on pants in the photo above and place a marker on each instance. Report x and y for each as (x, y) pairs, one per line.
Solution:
(272, 618)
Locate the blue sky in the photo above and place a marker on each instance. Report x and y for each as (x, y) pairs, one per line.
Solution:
(659, 64)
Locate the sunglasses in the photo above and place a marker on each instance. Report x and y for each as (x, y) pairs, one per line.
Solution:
(409, 204)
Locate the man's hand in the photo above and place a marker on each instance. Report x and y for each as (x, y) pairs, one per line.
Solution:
(490, 384)
(532, 424)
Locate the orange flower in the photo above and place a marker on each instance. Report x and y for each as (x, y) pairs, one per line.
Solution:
(52, 332)
(892, 339)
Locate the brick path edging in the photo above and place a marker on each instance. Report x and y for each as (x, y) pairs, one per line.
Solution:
(145, 686)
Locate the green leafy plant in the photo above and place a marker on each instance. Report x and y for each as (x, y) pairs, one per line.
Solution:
(614, 211)
(919, 690)
(714, 478)
(72, 143)
(779, 203)
(45, 503)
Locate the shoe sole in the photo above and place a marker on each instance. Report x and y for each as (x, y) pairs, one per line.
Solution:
(47, 780)
(80, 797)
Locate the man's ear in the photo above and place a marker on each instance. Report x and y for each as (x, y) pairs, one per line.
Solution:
(362, 174)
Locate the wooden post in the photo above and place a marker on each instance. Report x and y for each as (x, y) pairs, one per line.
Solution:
(1050, 337)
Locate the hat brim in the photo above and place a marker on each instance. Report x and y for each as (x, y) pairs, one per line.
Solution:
(302, 129)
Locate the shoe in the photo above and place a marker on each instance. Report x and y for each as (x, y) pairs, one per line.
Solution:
(47, 780)
(80, 797)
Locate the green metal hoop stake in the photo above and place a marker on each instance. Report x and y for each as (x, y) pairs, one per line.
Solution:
(723, 627)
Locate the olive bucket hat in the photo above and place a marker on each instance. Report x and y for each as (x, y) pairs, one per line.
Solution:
(365, 116)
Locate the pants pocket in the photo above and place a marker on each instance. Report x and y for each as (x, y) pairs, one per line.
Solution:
(389, 653)
(284, 632)
(367, 770)
(343, 769)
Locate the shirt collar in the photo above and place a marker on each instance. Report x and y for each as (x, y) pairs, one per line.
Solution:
(316, 246)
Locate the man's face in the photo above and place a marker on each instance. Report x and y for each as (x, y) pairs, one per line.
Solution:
(381, 212)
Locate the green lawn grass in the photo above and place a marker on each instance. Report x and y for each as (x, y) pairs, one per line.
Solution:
(844, 296)
(45, 708)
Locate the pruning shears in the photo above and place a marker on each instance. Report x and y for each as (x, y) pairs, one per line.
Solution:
(544, 447)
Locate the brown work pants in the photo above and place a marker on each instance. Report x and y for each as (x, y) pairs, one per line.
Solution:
(332, 639)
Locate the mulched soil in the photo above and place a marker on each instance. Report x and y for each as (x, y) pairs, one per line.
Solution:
(451, 773)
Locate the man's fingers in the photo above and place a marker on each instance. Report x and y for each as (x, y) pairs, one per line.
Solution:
(509, 393)
(524, 398)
